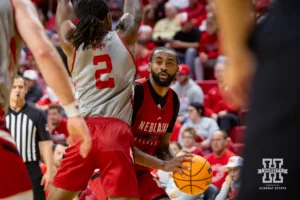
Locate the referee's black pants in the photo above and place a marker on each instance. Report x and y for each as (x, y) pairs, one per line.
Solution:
(36, 175)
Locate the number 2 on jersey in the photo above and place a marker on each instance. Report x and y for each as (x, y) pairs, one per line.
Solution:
(110, 82)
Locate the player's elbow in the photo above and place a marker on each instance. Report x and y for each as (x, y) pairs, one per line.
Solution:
(42, 51)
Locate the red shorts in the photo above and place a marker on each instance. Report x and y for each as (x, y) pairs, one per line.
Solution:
(112, 143)
(14, 177)
(149, 187)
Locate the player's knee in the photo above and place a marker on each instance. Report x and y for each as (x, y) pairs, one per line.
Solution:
(121, 198)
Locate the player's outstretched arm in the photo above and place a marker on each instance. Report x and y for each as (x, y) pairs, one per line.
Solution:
(51, 66)
(130, 22)
(236, 20)
(64, 24)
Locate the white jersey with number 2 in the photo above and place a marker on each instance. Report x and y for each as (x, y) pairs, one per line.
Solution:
(104, 79)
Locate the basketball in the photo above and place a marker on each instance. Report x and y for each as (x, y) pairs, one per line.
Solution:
(197, 179)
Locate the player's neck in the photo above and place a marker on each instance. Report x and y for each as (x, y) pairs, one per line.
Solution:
(161, 91)
(17, 105)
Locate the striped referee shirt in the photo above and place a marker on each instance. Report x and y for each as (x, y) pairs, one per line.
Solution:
(28, 128)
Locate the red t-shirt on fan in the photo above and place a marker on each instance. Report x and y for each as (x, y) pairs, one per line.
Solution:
(151, 122)
(60, 134)
(216, 164)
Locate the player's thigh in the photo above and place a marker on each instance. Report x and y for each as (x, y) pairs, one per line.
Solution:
(150, 188)
(116, 162)
(27, 195)
(61, 194)
(75, 171)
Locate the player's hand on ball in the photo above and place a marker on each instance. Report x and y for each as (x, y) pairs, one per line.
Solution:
(176, 164)
(79, 130)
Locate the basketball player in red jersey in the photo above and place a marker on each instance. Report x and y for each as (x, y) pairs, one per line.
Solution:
(103, 69)
(19, 21)
(155, 111)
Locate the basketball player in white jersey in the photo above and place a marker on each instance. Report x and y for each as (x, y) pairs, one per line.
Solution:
(19, 21)
(102, 65)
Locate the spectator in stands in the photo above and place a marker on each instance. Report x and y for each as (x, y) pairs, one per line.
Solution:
(58, 152)
(189, 144)
(232, 184)
(204, 126)
(142, 59)
(215, 105)
(175, 147)
(57, 125)
(34, 91)
(116, 11)
(208, 49)
(145, 33)
(165, 29)
(195, 9)
(186, 43)
(187, 90)
(219, 157)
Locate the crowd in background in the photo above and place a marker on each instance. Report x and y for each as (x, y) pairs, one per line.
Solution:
(206, 122)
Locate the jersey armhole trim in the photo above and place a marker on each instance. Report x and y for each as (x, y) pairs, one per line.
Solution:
(132, 57)
(73, 62)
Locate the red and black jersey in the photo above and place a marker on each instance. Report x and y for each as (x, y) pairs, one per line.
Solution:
(153, 116)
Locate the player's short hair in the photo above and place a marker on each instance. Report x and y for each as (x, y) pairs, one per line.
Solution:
(90, 29)
(164, 49)
(55, 107)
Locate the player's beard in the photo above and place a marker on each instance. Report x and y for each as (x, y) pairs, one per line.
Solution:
(162, 83)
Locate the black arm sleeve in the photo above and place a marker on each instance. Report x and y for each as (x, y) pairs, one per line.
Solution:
(43, 134)
(137, 99)
(176, 105)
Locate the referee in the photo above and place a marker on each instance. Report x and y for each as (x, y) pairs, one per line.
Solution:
(28, 128)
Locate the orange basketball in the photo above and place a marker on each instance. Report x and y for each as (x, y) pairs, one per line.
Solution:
(197, 179)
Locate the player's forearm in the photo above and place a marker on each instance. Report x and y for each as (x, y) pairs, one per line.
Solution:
(147, 160)
(235, 22)
(134, 7)
(164, 153)
(46, 150)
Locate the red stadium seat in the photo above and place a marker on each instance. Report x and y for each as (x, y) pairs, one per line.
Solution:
(237, 134)
(207, 85)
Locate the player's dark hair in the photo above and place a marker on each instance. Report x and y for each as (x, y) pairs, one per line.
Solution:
(199, 107)
(163, 49)
(90, 29)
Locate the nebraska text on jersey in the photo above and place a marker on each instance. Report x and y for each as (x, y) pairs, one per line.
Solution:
(153, 127)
